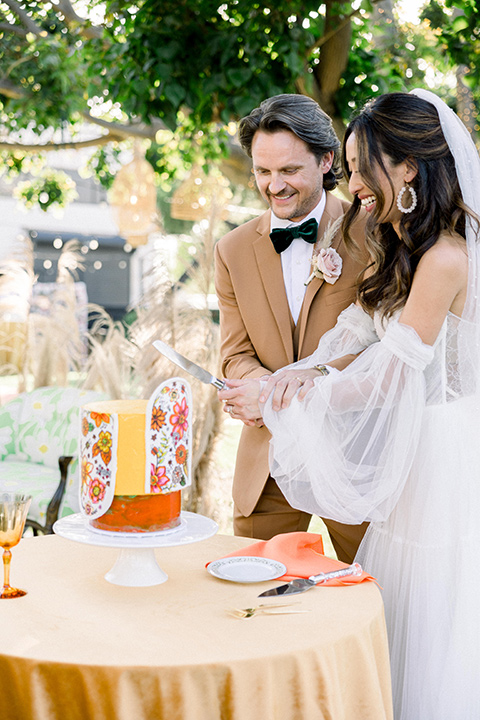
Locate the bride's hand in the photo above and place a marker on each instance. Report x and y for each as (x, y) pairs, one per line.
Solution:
(285, 384)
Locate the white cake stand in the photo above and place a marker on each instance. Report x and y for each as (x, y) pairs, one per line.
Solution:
(136, 564)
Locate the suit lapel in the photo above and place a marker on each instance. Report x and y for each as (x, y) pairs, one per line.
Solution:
(270, 269)
(333, 210)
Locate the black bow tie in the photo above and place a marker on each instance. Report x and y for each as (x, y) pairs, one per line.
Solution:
(282, 237)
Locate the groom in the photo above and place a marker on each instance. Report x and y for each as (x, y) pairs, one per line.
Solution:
(269, 316)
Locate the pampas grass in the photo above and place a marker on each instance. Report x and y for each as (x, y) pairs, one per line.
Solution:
(111, 358)
(56, 346)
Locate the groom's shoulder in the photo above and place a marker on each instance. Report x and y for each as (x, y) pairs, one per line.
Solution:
(246, 232)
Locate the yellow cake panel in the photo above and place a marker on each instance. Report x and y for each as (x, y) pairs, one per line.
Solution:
(131, 442)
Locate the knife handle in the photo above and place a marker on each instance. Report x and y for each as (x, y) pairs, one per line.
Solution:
(354, 569)
(219, 384)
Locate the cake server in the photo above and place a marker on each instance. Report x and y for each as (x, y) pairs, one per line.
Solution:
(189, 366)
(300, 585)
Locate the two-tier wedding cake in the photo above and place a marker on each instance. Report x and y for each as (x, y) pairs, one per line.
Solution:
(135, 459)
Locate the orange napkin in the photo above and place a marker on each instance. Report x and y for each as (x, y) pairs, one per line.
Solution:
(302, 553)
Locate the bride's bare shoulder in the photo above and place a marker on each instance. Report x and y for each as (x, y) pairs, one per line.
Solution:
(449, 254)
(443, 272)
(439, 285)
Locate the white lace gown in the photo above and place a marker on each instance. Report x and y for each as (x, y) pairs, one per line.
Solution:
(395, 439)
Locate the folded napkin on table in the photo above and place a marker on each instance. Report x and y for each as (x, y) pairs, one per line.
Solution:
(302, 554)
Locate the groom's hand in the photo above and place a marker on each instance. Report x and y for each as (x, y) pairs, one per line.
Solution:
(240, 400)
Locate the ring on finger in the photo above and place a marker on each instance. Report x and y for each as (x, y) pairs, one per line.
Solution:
(299, 380)
(229, 409)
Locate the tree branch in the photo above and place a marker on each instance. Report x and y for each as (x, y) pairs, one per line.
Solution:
(46, 147)
(10, 90)
(85, 27)
(325, 38)
(301, 87)
(15, 64)
(16, 29)
(116, 131)
(25, 19)
(141, 130)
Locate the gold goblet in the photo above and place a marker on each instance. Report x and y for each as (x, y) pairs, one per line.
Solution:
(13, 513)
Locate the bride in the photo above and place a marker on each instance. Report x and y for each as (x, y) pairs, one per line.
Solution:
(388, 430)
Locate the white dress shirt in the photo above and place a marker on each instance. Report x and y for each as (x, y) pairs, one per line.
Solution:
(296, 259)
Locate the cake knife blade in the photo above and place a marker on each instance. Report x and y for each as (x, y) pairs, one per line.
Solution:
(188, 365)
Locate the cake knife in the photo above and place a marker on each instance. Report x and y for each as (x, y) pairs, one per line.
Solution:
(189, 366)
(300, 585)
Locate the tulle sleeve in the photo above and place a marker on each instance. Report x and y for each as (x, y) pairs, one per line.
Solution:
(353, 332)
(345, 452)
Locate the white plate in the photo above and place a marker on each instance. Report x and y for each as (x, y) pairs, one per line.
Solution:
(246, 569)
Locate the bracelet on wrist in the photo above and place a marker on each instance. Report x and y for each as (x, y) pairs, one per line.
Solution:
(322, 369)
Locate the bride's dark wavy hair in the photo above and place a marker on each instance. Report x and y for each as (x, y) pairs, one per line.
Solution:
(402, 127)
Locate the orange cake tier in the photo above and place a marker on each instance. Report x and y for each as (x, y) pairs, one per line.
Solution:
(141, 513)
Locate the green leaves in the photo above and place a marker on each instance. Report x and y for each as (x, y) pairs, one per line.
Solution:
(238, 76)
(175, 94)
(197, 65)
(458, 34)
(52, 188)
(459, 23)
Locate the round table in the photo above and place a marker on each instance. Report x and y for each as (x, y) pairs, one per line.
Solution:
(78, 647)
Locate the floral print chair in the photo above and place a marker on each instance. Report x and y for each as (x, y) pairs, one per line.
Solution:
(39, 434)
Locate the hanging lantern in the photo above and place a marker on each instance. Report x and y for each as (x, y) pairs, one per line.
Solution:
(133, 199)
(199, 195)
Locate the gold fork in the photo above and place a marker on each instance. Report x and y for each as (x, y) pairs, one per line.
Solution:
(263, 609)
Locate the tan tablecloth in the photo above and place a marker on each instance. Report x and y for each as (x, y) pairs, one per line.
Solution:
(77, 647)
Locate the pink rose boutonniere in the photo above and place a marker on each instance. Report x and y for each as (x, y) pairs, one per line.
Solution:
(326, 262)
(328, 265)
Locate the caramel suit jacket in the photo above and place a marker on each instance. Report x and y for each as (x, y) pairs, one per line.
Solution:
(258, 334)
